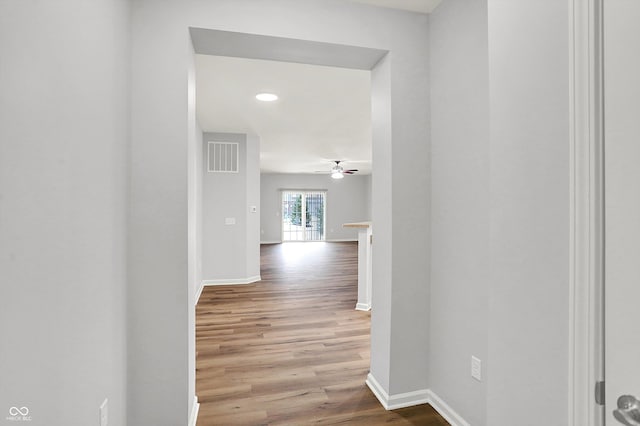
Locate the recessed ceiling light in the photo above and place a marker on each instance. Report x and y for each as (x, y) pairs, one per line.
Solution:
(266, 97)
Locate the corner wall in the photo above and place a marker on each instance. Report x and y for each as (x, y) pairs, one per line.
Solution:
(231, 251)
(500, 209)
(460, 261)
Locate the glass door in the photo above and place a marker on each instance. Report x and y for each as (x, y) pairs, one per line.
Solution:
(303, 215)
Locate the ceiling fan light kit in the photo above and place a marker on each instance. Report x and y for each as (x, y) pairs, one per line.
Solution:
(337, 172)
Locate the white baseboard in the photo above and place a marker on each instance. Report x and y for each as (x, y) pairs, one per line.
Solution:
(232, 281)
(363, 307)
(235, 281)
(347, 240)
(199, 292)
(193, 418)
(408, 399)
(401, 400)
(445, 410)
(378, 391)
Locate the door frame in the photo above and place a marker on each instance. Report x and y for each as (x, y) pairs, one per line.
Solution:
(304, 193)
(586, 283)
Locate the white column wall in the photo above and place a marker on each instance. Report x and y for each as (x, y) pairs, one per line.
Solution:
(528, 317)
(460, 261)
(64, 123)
(231, 252)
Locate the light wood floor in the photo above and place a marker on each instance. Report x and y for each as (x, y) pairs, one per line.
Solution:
(291, 349)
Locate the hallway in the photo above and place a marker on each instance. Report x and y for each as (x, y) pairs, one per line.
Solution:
(291, 349)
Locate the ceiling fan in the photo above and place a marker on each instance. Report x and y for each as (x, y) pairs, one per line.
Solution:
(338, 172)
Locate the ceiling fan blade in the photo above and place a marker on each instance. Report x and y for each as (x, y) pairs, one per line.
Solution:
(351, 171)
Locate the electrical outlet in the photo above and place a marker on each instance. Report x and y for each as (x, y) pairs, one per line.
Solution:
(476, 368)
(104, 413)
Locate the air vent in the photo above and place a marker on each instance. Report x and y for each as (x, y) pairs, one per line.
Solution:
(223, 157)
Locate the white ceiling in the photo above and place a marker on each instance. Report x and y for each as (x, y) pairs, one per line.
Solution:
(323, 113)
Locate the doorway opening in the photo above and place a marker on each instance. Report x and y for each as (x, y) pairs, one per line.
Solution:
(215, 43)
(303, 215)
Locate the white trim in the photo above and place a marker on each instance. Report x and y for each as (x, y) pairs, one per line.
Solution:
(363, 307)
(232, 281)
(193, 418)
(445, 410)
(338, 240)
(378, 390)
(235, 281)
(400, 400)
(585, 187)
(408, 399)
(199, 293)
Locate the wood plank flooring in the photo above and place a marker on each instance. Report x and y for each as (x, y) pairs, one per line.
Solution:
(291, 349)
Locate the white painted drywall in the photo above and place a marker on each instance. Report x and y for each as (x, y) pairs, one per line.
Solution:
(224, 197)
(158, 353)
(460, 262)
(195, 182)
(159, 361)
(63, 203)
(528, 312)
(64, 132)
(231, 252)
(409, 203)
(252, 252)
(346, 202)
(381, 200)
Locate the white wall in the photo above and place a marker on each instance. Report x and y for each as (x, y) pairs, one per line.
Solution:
(460, 261)
(406, 172)
(232, 252)
(64, 124)
(63, 202)
(195, 224)
(529, 200)
(346, 202)
(500, 208)
(252, 251)
(158, 356)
